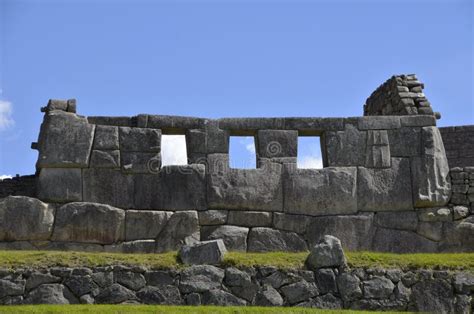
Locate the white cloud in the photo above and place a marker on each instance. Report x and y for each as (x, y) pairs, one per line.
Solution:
(306, 162)
(173, 150)
(5, 176)
(6, 120)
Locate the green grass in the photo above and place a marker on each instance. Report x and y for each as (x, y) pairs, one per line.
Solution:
(109, 309)
(38, 259)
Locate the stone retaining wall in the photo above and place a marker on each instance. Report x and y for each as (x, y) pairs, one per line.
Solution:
(329, 288)
(459, 144)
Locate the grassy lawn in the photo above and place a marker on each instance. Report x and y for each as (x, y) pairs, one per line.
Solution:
(18, 259)
(109, 309)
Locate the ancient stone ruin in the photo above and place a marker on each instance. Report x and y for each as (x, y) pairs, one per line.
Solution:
(386, 184)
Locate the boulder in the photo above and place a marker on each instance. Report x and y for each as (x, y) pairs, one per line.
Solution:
(464, 283)
(129, 279)
(207, 252)
(168, 295)
(81, 285)
(327, 253)
(144, 224)
(235, 238)
(182, 228)
(349, 287)
(50, 294)
(326, 280)
(89, 223)
(114, 294)
(220, 297)
(268, 296)
(25, 218)
(378, 288)
(36, 279)
(267, 240)
(299, 291)
(433, 295)
(9, 288)
(200, 278)
(240, 283)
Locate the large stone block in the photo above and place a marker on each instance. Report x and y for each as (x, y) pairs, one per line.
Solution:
(206, 252)
(345, 148)
(105, 159)
(405, 142)
(89, 223)
(355, 231)
(210, 140)
(288, 222)
(240, 189)
(385, 189)
(60, 185)
(65, 141)
(277, 143)
(173, 188)
(108, 186)
(397, 220)
(140, 140)
(400, 241)
(144, 224)
(249, 218)
(379, 123)
(267, 240)
(235, 238)
(326, 253)
(106, 138)
(181, 228)
(24, 218)
(138, 162)
(328, 191)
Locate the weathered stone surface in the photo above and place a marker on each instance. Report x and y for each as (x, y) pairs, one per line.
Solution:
(114, 294)
(37, 278)
(249, 218)
(173, 188)
(8, 288)
(103, 279)
(235, 238)
(325, 280)
(240, 283)
(49, 294)
(346, 148)
(159, 278)
(65, 141)
(462, 304)
(379, 123)
(267, 239)
(240, 189)
(268, 296)
(419, 120)
(378, 288)
(279, 278)
(299, 291)
(385, 189)
(193, 299)
(89, 223)
(435, 214)
(207, 252)
(181, 228)
(213, 217)
(160, 295)
(355, 231)
(106, 137)
(129, 279)
(276, 143)
(139, 162)
(460, 212)
(60, 185)
(140, 139)
(288, 222)
(430, 230)
(25, 218)
(405, 142)
(349, 287)
(397, 220)
(200, 278)
(433, 295)
(307, 191)
(326, 253)
(144, 224)
(80, 285)
(399, 241)
(105, 159)
(464, 283)
(220, 297)
(108, 186)
(327, 301)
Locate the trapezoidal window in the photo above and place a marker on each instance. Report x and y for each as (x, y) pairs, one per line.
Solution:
(242, 152)
(309, 153)
(173, 150)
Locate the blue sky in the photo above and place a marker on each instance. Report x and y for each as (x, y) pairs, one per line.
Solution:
(224, 58)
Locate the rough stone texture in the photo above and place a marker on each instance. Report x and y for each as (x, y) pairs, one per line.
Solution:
(325, 280)
(307, 191)
(346, 148)
(18, 186)
(144, 224)
(213, 217)
(405, 142)
(266, 239)
(181, 228)
(139, 139)
(433, 295)
(268, 296)
(114, 294)
(459, 142)
(25, 218)
(385, 189)
(105, 159)
(89, 223)
(326, 253)
(402, 242)
(276, 143)
(200, 278)
(139, 162)
(240, 283)
(249, 218)
(378, 288)
(298, 292)
(106, 138)
(435, 214)
(60, 185)
(349, 287)
(397, 220)
(294, 223)
(235, 238)
(207, 252)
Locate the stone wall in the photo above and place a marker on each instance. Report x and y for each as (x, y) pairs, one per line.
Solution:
(18, 185)
(459, 144)
(329, 288)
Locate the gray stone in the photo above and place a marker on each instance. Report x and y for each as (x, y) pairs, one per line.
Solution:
(402, 292)
(405, 142)
(355, 231)
(299, 291)
(106, 137)
(462, 304)
(144, 224)
(60, 185)
(430, 230)
(220, 297)
(326, 280)
(394, 275)
(397, 220)
(328, 301)
(435, 295)
(326, 253)
(379, 123)
(442, 214)
(249, 218)
(235, 238)
(89, 223)
(280, 278)
(267, 239)
(181, 228)
(49, 294)
(349, 287)
(399, 241)
(86, 299)
(200, 278)
(103, 279)
(193, 299)
(36, 279)
(108, 186)
(346, 148)
(140, 139)
(276, 143)
(307, 191)
(378, 156)
(460, 212)
(159, 278)
(25, 218)
(431, 186)
(131, 280)
(105, 159)
(268, 296)
(80, 285)
(240, 189)
(378, 288)
(213, 217)
(207, 252)
(385, 189)
(9, 288)
(160, 295)
(114, 294)
(174, 124)
(464, 283)
(139, 162)
(65, 141)
(288, 222)
(240, 283)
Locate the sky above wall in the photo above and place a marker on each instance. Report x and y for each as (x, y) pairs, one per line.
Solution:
(224, 59)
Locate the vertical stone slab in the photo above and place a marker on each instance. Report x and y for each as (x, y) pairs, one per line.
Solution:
(378, 149)
(345, 148)
(60, 185)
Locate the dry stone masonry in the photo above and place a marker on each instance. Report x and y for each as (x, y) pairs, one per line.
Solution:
(386, 184)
